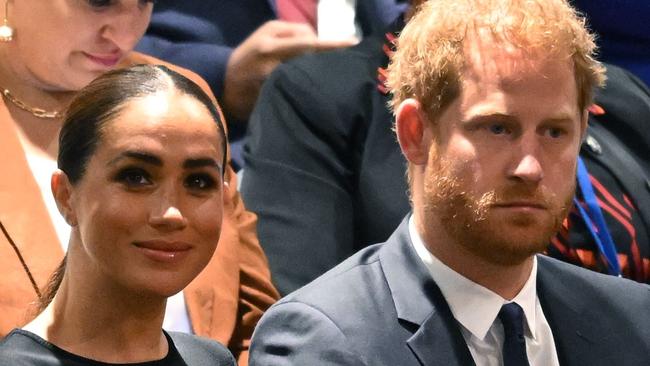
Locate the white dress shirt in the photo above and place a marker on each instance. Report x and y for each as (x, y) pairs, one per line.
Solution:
(475, 308)
(337, 20)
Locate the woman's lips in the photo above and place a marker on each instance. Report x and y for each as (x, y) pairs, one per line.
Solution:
(164, 251)
(106, 60)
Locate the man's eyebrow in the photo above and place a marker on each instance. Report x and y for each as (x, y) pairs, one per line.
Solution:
(200, 163)
(502, 117)
(137, 155)
(488, 117)
(560, 119)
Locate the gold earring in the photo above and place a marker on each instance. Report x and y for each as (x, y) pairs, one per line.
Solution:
(6, 32)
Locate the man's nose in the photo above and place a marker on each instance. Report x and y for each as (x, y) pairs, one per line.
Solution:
(526, 165)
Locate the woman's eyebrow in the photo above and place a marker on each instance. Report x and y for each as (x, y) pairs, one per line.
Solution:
(137, 155)
(200, 163)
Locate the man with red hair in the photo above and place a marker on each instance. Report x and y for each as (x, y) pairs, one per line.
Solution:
(490, 99)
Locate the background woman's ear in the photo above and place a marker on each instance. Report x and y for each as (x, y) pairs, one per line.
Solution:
(62, 191)
(410, 127)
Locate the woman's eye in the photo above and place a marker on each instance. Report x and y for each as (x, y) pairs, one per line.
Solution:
(200, 182)
(134, 177)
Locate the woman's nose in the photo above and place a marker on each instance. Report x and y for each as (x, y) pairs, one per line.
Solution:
(167, 217)
(126, 26)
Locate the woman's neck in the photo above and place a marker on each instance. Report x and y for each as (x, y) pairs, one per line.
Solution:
(26, 95)
(93, 321)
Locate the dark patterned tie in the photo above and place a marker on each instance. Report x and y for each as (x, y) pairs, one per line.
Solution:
(298, 11)
(514, 343)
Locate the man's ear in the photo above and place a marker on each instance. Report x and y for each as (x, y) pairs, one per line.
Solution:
(410, 126)
(62, 191)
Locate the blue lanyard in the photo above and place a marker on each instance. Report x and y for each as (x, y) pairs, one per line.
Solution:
(601, 236)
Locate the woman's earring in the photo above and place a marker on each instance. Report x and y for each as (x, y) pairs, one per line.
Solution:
(6, 32)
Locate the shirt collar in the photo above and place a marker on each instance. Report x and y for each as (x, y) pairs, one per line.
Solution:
(474, 306)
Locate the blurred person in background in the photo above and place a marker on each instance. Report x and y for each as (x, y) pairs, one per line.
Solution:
(235, 44)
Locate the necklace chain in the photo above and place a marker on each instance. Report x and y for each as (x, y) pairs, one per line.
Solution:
(37, 112)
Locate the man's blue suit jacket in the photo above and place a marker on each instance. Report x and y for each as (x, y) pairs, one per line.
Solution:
(201, 34)
(381, 307)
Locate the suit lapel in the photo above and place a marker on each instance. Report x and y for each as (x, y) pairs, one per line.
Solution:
(436, 338)
(438, 341)
(574, 326)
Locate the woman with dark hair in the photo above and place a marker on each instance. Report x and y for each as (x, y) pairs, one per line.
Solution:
(49, 50)
(140, 181)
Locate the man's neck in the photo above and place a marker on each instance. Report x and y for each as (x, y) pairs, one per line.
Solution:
(506, 280)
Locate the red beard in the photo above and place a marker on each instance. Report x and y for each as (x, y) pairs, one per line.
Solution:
(484, 224)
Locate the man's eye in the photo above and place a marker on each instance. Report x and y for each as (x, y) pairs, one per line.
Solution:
(106, 3)
(555, 132)
(134, 177)
(497, 129)
(99, 3)
(200, 182)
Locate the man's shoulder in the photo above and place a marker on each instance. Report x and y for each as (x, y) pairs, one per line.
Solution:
(344, 282)
(345, 317)
(595, 318)
(361, 286)
(613, 290)
(352, 298)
